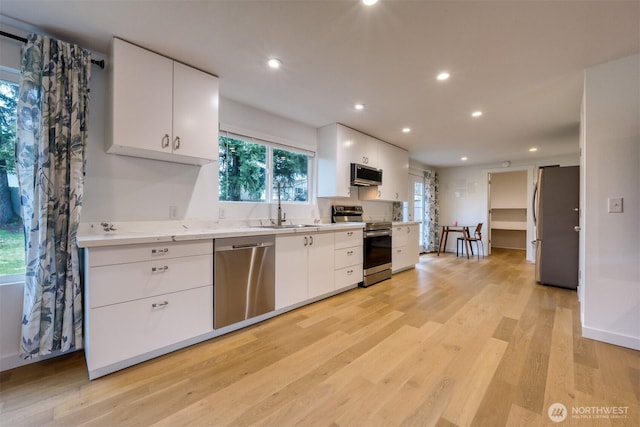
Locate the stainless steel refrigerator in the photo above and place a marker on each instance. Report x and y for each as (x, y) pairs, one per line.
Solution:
(556, 202)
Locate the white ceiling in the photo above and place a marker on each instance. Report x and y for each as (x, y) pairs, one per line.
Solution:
(520, 62)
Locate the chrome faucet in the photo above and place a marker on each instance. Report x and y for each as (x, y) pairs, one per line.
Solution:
(282, 217)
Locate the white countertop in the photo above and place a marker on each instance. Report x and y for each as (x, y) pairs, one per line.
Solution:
(396, 223)
(93, 235)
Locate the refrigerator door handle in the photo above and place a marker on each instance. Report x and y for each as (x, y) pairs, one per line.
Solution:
(533, 204)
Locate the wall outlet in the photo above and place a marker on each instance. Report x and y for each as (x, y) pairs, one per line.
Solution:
(221, 213)
(614, 204)
(173, 212)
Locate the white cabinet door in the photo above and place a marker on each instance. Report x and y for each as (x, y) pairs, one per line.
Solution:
(394, 163)
(321, 264)
(161, 109)
(358, 147)
(142, 93)
(195, 113)
(400, 236)
(405, 252)
(291, 269)
(121, 331)
(334, 178)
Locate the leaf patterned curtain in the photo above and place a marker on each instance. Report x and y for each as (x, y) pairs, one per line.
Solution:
(50, 161)
(432, 208)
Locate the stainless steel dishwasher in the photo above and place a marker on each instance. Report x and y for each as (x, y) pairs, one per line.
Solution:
(244, 285)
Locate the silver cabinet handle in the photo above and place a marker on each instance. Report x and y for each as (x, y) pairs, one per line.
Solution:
(396, 196)
(164, 142)
(160, 269)
(176, 143)
(349, 272)
(162, 304)
(349, 253)
(310, 240)
(379, 193)
(349, 233)
(160, 251)
(306, 240)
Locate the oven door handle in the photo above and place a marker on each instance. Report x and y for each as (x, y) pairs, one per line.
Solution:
(377, 233)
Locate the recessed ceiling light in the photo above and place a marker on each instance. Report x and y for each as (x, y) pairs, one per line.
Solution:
(464, 159)
(476, 114)
(443, 76)
(274, 63)
(533, 149)
(406, 130)
(369, 2)
(359, 106)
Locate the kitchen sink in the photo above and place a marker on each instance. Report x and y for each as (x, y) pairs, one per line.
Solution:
(289, 226)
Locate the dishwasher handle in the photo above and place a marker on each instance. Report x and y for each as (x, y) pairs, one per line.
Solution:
(245, 246)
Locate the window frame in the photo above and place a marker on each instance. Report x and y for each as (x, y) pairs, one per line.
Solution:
(269, 174)
(11, 75)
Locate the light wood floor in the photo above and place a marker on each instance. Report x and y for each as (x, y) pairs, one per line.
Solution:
(454, 342)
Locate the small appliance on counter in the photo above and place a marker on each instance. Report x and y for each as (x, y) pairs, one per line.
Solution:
(377, 243)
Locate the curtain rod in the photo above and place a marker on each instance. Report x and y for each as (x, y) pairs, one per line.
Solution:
(99, 63)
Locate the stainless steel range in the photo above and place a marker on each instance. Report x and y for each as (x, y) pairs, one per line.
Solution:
(377, 243)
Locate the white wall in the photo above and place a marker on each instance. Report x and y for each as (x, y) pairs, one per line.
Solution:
(611, 168)
(463, 193)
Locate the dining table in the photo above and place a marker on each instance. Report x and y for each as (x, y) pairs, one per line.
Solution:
(454, 228)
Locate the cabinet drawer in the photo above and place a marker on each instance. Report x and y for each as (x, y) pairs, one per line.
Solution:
(400, 236)
(348, 238)
(348, 276)
(348, 256)
(109, 255)
(118, 332)
(111, 284)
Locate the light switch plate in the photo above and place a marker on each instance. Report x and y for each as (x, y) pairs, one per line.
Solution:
(614, 204)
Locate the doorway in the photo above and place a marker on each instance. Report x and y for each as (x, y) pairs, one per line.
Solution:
(508, 203)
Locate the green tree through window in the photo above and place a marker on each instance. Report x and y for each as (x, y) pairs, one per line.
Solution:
(242, 170)
(291, 171)
(11, 230)
(245, 166)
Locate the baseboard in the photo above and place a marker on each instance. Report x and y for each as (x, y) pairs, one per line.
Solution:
(11, 361)
(611, 338)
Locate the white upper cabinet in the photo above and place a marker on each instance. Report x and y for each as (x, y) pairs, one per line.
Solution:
(394, 163)
(339, 146)
(335, 156)
(361, 148)
(161, 109)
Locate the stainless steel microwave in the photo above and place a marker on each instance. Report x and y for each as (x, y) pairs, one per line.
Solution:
(365, 176)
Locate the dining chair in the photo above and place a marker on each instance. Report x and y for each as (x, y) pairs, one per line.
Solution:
(476, 237)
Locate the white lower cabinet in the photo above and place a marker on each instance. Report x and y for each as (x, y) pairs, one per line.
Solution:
(121, 331)
(405, 251)
(142, 298)
(145, 300)
(302, 263)
(348, 258)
